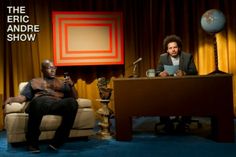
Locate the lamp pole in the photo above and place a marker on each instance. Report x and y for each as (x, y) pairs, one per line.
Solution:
(216, 71)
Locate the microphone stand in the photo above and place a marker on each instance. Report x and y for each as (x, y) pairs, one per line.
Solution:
(135, 63)
(134, 71)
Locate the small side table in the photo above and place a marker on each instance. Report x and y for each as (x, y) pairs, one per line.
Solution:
(105, 114)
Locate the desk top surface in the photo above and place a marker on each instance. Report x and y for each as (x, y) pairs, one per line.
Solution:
(176, 77)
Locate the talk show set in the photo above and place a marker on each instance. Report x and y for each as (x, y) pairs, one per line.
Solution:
(118, 78)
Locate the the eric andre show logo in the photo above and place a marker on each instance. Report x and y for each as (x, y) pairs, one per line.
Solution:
(19, 27)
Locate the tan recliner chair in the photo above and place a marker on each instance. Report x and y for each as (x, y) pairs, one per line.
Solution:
(16, 121)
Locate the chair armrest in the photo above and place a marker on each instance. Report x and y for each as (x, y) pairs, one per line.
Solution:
(20, 107)
(15, 107)
(84, 103)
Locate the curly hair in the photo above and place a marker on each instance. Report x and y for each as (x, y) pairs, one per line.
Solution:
(172, 38)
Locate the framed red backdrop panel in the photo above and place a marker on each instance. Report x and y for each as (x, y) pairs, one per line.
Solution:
(87, 38)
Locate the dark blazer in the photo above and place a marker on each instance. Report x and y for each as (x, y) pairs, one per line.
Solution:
(186, 63)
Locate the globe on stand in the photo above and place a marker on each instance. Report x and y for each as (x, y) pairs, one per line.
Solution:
(213, 21)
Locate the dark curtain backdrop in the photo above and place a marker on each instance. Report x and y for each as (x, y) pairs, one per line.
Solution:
(146, 23)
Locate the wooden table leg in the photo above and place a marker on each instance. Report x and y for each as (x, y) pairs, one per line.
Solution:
(123, 128)
(223, 128)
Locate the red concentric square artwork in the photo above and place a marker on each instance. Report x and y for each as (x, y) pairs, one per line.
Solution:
(87, 38)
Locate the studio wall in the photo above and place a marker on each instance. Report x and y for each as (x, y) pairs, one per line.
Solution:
(146, 23)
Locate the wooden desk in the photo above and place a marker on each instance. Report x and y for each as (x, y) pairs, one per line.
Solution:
(210, 95)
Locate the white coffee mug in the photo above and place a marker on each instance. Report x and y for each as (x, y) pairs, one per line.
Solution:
(150, 73)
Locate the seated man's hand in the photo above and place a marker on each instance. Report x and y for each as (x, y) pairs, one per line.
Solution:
(180, 73)
(68, 81)
(163, 74)
(8, 101)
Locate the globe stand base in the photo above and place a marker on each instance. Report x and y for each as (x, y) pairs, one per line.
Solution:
(217, 72)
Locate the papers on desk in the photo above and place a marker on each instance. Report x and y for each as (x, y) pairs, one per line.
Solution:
(171, 69)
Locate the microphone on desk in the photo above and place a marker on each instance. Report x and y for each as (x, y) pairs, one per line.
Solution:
(138, 60)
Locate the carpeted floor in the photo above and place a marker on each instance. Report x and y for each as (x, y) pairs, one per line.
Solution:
(145, 143)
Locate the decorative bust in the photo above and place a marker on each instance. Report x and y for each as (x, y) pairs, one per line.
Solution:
(105, 113)
(104, 91)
